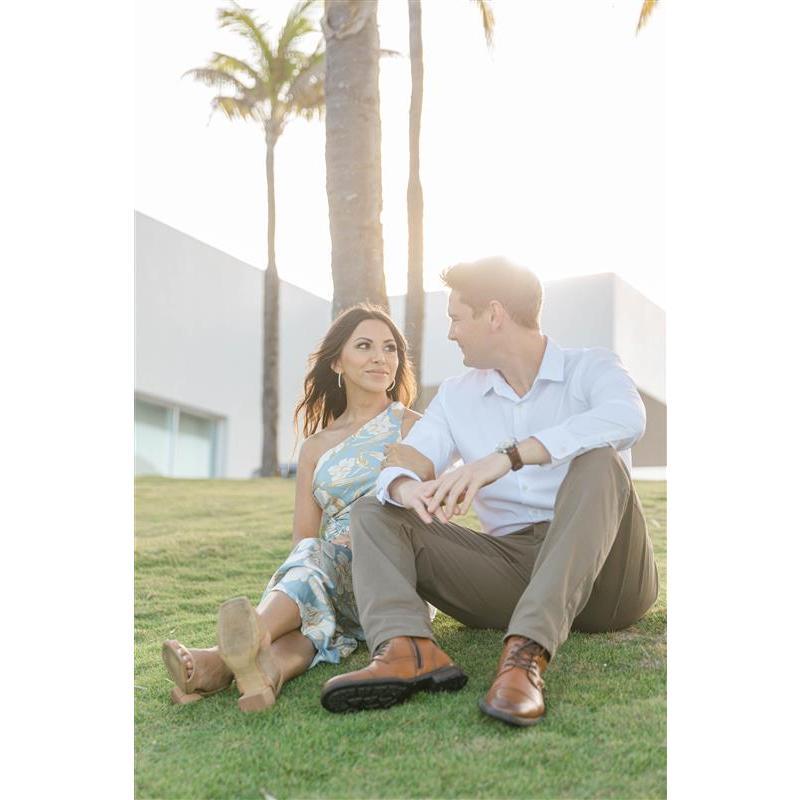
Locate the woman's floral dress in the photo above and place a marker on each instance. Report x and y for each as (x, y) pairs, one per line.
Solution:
(317, 574)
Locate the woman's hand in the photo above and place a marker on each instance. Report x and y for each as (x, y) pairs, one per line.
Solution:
(403, 455)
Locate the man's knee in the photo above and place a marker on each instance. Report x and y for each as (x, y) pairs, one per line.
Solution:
(595, 472)
(598, 457)
(601, 460)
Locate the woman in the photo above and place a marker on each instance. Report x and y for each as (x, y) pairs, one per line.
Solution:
(355, 404)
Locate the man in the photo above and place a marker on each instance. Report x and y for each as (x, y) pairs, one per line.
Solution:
(545, 436)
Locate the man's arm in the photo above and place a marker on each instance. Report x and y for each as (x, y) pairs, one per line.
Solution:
(432, 437)
(615, 416)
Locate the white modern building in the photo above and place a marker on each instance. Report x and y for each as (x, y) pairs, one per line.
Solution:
(198, 352)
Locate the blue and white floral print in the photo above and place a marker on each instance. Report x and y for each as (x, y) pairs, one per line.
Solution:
(317, 575)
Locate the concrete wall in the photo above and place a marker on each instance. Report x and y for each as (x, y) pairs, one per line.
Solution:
(640, 338)
(441, 357)
(198, 339)
(651, 449)
(579, 312)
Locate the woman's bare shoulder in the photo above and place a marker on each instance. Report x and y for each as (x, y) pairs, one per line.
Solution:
(313, 447)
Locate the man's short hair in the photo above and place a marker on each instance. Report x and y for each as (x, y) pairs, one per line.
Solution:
(516, 288)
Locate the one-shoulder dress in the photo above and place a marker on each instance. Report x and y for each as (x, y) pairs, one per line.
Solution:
(317, 575)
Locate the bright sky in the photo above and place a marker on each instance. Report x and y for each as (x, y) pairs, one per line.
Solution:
(549, 150)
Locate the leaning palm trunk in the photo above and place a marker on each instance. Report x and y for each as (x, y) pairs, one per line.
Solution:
(353, 152)
(269, 390)
(415, 292)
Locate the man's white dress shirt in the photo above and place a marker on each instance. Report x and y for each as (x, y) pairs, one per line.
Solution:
(581, 399)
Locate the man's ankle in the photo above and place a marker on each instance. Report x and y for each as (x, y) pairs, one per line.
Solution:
(528, 644)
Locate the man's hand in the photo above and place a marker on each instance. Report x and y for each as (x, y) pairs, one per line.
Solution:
(416, 495)
(454, 492)
(408, 457)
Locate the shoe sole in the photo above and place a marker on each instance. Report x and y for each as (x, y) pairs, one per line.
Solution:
(369, 695)
(509, 719)
(239, 641)
(177, 671)
(175, 667)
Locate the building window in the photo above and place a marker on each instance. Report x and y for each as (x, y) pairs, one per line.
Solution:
(152, 439)
(172, 441)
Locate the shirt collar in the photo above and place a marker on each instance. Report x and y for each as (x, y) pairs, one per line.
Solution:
(551, 369)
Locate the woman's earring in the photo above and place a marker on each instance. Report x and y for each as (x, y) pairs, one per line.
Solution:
(389, 389)
(339, 379)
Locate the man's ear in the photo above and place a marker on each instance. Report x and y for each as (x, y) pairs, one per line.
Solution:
(497, 314)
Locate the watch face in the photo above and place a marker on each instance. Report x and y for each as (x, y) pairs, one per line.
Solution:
(506, 444)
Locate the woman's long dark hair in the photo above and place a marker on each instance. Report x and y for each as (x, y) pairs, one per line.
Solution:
(323, 401)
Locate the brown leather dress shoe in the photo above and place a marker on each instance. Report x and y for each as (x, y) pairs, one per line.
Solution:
(400, 668)
(516, 694)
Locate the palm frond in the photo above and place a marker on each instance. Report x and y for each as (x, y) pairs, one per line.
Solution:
(216, 79)
(243, 22)
(268, 89)
(297, 24)
(234, 107)
(306, 93)
(487, 18)
(289, 59)
(233, 65)
(647, 10)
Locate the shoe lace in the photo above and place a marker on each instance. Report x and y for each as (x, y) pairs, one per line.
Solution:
(524, 656)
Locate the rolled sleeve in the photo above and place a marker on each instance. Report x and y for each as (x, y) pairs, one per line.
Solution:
(615, 417)
(385, 481)
(432, 437)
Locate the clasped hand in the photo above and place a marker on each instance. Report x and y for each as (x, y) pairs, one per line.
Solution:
(452, 493)
(403, 455)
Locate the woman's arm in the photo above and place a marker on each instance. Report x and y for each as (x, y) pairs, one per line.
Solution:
(403, 455)
(307, 514)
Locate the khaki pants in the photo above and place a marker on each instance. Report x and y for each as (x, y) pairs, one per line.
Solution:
(591, 568)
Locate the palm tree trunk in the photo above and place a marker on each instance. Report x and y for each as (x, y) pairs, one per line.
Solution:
(415, 292)
(270, 376)
(353, 152)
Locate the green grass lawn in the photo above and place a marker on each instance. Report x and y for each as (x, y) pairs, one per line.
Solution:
(200, 542)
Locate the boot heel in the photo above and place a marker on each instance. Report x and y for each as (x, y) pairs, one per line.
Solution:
(181, 698)
(258, 701)
(239, 643)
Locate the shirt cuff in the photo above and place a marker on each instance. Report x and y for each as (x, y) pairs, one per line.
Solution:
(385, 481)
(561, 445)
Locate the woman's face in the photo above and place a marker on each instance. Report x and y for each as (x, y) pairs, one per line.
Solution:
(369, 357)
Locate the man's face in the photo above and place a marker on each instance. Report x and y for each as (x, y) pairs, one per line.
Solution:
(470, 334)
